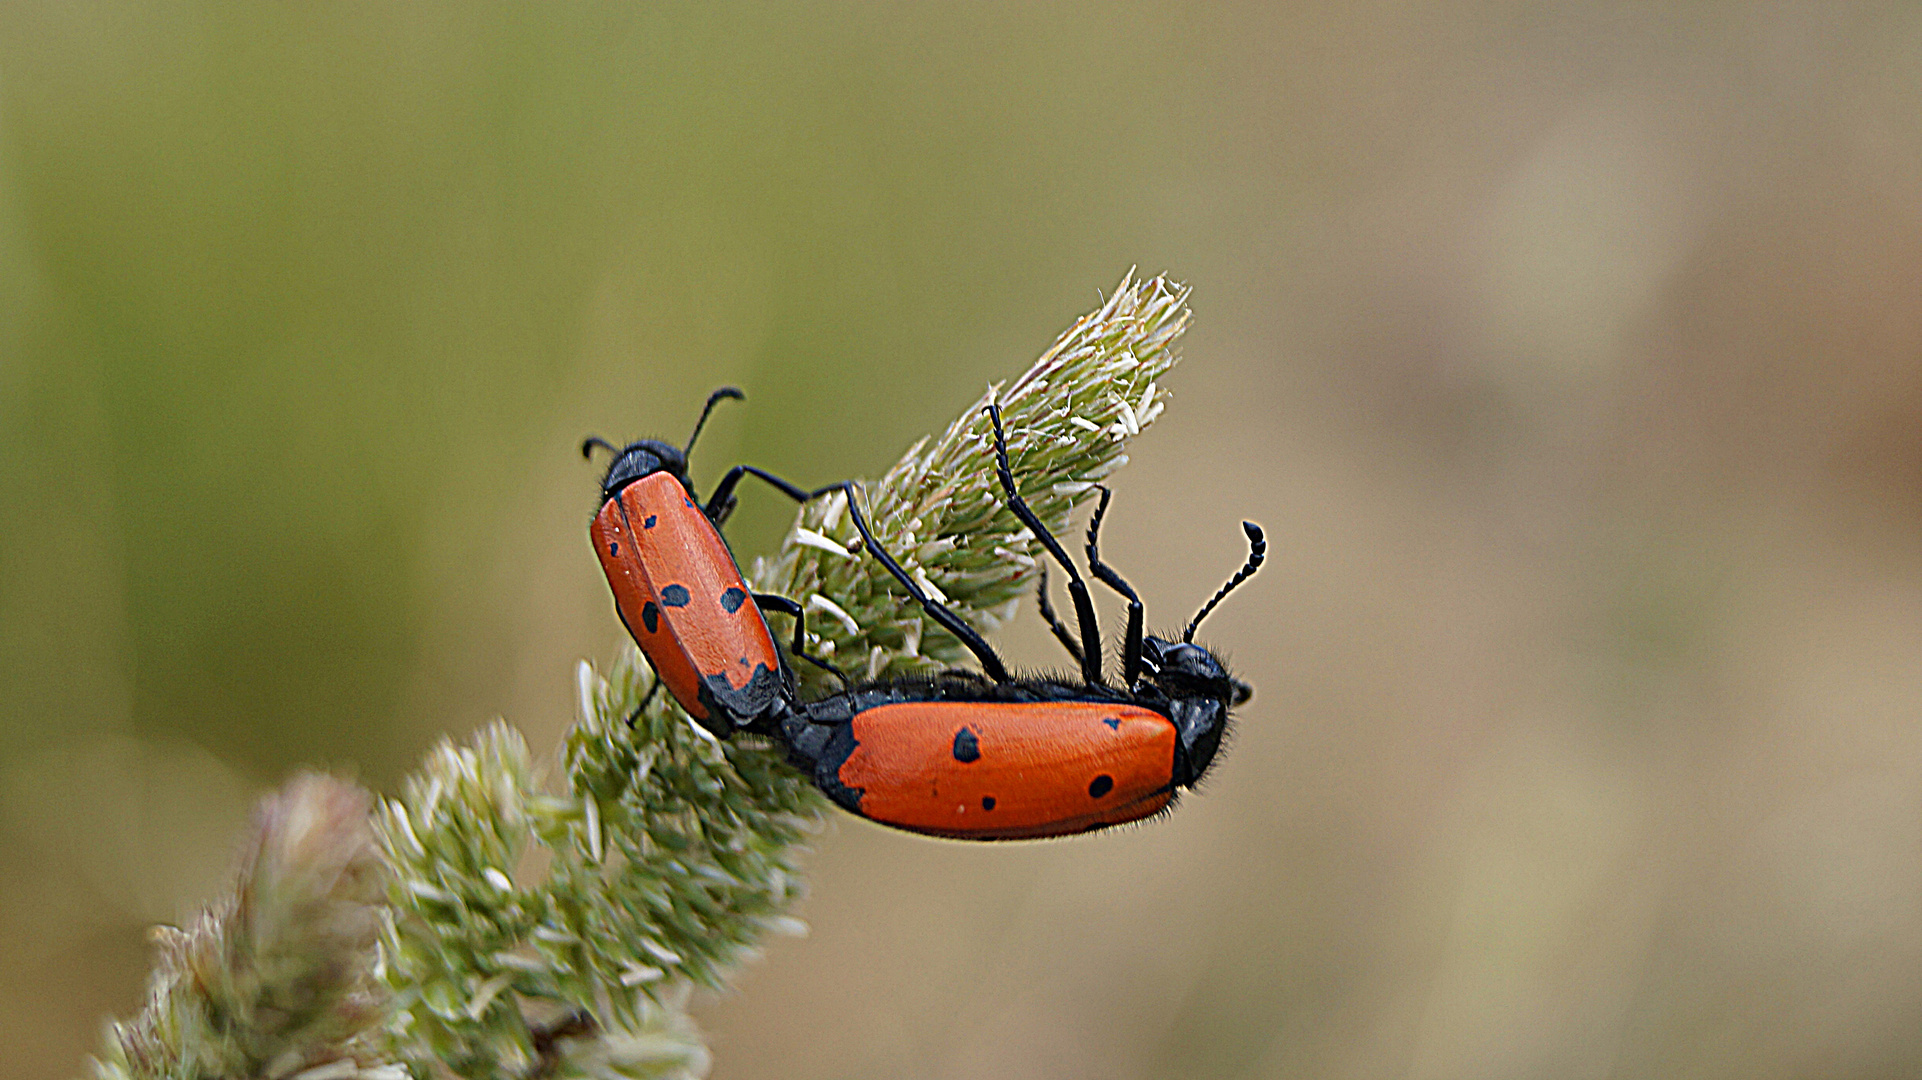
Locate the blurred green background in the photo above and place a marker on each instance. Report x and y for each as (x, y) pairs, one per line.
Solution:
(1571, 354)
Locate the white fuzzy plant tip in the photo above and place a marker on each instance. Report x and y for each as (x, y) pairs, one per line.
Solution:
(543, 933)
(277, 978)
(939, 510)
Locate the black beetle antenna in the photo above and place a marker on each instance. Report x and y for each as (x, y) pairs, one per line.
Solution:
(1257, 551)
(592, 441)
(712, 400)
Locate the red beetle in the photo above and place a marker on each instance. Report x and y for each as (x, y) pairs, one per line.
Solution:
(679, 591)
(970, 757)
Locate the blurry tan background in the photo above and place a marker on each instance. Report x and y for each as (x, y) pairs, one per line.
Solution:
(1571, 354)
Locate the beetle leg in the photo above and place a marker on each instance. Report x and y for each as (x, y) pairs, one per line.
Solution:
(1077, 589)
(785, 606)
(948, 620)
(719, 502)
(1061, 633)
(1131, 644)
(635, 716)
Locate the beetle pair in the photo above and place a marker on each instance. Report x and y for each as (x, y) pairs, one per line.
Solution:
(969, 756)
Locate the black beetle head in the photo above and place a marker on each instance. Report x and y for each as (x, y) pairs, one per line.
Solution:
(1200, 692)
(643, 458)
(649, 456)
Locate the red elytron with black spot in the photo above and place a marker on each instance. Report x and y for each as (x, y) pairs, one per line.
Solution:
(993, 757)
(679, 591)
